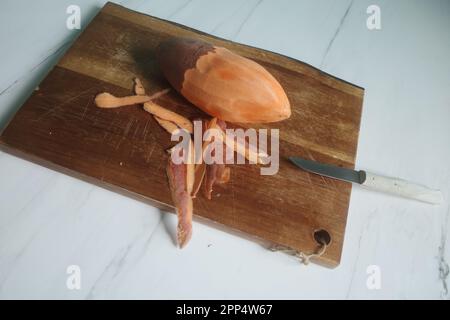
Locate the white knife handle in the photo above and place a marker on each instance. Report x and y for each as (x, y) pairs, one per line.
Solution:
(402, 188)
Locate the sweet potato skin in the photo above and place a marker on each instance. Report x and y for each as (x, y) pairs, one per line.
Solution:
(181, 182)
(181, 196)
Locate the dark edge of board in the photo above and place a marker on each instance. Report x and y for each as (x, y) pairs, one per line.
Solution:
(266, 244)
(235, 42)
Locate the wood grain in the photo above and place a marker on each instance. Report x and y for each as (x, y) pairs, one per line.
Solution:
(124, 149)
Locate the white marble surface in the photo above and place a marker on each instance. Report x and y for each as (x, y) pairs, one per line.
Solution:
(124, 248)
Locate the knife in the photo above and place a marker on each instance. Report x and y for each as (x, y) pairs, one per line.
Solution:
(373, 181)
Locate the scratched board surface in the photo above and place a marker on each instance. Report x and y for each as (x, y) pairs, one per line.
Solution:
(124, 149)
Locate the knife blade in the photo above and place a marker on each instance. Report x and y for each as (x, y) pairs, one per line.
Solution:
(373, 181)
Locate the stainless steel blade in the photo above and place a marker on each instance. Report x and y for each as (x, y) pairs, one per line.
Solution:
(330, 170)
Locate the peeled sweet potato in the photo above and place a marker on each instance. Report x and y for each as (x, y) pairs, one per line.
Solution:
(222, 83)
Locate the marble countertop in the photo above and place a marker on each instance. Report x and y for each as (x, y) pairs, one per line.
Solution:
(121, 248)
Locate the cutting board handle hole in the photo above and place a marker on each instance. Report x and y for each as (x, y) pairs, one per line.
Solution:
(322, 237)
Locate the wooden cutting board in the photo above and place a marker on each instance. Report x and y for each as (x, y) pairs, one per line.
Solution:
(124, 149)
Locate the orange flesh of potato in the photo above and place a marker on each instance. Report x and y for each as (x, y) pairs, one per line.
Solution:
(165, 114)
(222, 83)
(138, 87)
(107, 100)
